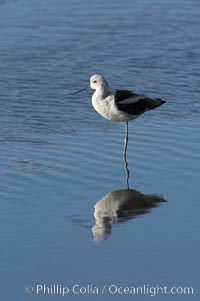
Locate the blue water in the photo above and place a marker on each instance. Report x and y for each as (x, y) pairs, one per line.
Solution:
(59, 158)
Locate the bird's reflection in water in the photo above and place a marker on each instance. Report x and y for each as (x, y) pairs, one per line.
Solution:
(118, 206)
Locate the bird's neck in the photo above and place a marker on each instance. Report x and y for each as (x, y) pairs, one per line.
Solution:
(102, 92)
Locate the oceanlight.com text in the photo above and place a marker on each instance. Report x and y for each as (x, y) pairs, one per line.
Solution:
(109, 289)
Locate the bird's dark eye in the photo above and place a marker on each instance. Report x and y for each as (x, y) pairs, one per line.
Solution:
(94, 81)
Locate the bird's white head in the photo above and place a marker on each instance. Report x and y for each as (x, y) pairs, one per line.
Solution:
(98, 82)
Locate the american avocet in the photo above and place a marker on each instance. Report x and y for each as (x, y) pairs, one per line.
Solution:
(122, 105)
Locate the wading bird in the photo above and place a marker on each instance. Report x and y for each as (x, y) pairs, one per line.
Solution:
(122, 105)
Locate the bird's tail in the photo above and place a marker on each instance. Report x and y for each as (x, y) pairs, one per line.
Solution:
(160, 101)
(156, 103)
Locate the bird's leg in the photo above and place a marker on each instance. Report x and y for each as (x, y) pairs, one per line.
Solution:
(125, 160)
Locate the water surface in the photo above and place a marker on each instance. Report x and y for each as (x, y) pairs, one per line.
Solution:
(59, 158)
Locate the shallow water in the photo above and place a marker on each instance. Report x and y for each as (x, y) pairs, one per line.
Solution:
(59, 158)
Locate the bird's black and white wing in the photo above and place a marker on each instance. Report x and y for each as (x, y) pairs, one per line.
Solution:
(135, 104)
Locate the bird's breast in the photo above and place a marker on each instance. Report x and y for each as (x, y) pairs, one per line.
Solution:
(108, 109)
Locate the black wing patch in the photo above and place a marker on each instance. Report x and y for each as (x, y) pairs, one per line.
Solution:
(142, 105)
(121, 95)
